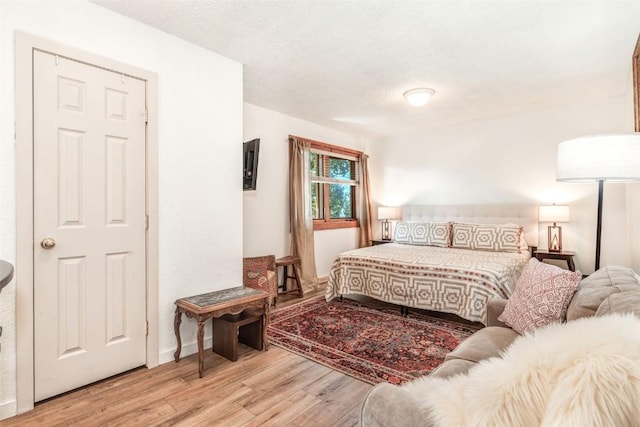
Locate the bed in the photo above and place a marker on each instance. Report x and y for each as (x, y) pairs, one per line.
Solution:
(452, 273)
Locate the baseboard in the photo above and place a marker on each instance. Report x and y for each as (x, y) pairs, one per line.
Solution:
(323, 280)
(8, 409)
(187, 349)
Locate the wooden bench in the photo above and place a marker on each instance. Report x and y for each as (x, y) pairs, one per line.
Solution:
(220, 303)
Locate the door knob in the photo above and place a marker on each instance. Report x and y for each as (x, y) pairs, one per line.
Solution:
(48, 243)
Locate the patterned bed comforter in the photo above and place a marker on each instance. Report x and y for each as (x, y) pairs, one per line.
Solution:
(458, 281)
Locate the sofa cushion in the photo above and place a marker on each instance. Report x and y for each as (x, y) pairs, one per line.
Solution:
(495, 307)
(621, 302)
(452, 367)
(485, 343)
(541, 296)
(387, 404)
(593, 290)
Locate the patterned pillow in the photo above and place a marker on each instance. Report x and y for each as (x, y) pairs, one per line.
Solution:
(541, 297)
(487, 237)
(424, 233)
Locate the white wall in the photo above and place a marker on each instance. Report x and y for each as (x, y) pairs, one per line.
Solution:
(266, 211)
(200, 129)
(511, 159)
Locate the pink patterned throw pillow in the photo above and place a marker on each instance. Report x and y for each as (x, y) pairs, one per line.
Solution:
(541, 297)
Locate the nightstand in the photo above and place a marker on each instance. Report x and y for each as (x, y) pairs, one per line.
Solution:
(566, 256)
(380, 242)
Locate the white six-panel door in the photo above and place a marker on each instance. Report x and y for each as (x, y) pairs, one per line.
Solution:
(89, 209)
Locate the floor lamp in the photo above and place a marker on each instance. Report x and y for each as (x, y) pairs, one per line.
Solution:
(610, 158)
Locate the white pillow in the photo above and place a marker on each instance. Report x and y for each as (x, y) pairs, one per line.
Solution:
(487, 237)
(423, 233)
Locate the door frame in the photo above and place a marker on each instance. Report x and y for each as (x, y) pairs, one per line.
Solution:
(24, 276)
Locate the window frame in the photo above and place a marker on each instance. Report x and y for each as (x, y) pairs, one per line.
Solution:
(328, 223)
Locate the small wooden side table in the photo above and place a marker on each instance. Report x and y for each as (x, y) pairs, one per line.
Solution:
(566, 256)
(217, 304)
(376, 242)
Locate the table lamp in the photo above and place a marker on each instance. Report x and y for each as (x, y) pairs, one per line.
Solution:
(385, 213)
(554, 214)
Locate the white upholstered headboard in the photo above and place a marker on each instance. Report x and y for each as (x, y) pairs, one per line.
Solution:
(525, 215)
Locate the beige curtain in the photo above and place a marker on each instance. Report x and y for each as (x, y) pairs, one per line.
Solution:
(364, 213)
(301, 221)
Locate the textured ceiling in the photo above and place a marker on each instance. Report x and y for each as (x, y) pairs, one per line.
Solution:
(345, 64)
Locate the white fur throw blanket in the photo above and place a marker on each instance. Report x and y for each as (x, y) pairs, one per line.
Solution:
(582, 373)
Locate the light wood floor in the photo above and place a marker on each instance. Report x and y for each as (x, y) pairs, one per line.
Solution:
(275, 387)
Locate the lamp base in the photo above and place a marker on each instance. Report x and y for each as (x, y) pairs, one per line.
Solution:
(555, 238)
(386, 230)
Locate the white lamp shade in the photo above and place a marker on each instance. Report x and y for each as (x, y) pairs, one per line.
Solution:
(599, 157)
(553, 213)
(387, 212)
(419, 96)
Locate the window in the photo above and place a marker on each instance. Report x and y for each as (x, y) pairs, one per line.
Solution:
(334, 186)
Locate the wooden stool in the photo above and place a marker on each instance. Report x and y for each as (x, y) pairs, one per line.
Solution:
(245, 327)
(294, 262)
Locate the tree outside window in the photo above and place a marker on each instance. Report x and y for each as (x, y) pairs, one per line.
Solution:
(333, 189)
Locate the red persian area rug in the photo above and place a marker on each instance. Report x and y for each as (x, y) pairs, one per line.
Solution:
(373, 343)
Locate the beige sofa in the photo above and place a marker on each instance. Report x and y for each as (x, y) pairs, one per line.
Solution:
(608, 290)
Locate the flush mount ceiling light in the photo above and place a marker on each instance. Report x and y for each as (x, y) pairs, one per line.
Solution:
(418, 97)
